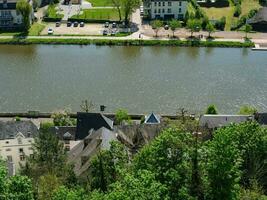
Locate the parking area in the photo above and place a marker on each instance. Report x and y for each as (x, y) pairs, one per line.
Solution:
(63, 29)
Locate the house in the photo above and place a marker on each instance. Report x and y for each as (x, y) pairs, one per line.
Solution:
(67, 134)
(259, 21)
(88, 121)
(217, 121)
(95, 141)
(152, 119)
(16, 138)
(166, 9)
(9, 17)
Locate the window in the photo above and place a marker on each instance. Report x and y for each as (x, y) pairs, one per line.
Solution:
(155, 11)
(22, 157)
(155, 4)
(20, 150)
(163, 10)
(169, 10)
(159, 3)
(9, 158)
(7, 142)
(159, 11)
(180, 3)
(169, 3)
(163, 3)
(180, 10)
(29, 141)
(8, 149)
(19, 140)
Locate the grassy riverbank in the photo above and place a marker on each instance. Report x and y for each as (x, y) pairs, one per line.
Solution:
(119, 42)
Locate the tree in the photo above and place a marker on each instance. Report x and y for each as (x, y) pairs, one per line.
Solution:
(156, 25)
(210, 28)
(168, 157)
(237, 11)
(122, 115)
(247, 110)
(174, 24)
(63, 193)
(86, 107)
(128, 7)
(20, 187)
(24, 8)
(248, 28)
(117, 4)
(211, 110)
(47, 185)
(62, 118)
(193, 25)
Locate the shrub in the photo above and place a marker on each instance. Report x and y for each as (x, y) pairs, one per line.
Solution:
(17, 119)
(122, 115)
(220, 24)
(247, 110)
(237, 11)
(212, 110)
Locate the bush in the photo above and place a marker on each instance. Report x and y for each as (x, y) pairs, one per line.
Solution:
(212, 110)
(122, 115)
(17, 119)
(237, 11)
(220, 24)
(247, 110)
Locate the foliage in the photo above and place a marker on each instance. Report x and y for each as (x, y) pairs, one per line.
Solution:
(47, 185)
(128, 7)
(121, 116)
(24, 8)
(175, 24)
(45, 126)
(248, 28)
(168, 158)
(17, 119)
(210, 28)
(247, 110)
(220, 25)
(62, 118)
(63, 193)
(105, 14)
(193, 25)
(237, 11)
(51, 12)
(211, 110)
(156, 25)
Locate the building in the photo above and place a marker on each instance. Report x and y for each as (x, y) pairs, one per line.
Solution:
(152, 119)
(16, 138)
(88, 121)
(261, 118)
(217, 121)
(259, 21)
(166, 9)
(9, 17)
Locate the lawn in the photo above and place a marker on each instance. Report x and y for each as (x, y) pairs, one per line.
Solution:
(100, 3)
(36, 29)
(98, 14)
(228, 12)
(52, 12)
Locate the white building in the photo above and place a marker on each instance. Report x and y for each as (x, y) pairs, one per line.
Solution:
(16, 138)
(9, 17)
(166, 9)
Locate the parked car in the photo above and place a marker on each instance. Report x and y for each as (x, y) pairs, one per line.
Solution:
(113, 33)
(82, 24)
(75, 24)
(50, 31)
(69, 24)
(114, 25)
(57, 24)
(166, 27)
(105, 32)
(106, 25)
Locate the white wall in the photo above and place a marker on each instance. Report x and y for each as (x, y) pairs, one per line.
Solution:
(175, 8)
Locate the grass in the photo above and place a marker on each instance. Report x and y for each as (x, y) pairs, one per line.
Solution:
(195, 43)
(52, 12)
(228, 12)
(100, 3)
(98, 14)
(36, 29)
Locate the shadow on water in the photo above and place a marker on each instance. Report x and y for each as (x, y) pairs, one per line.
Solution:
(18, 50)
(192, 52)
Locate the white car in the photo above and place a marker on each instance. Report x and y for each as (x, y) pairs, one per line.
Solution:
(50, 31)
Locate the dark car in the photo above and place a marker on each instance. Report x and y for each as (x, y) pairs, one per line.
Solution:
(82, 24)
(57, 24)
(69, 24)
(113, 33)
(106, 25)
(166, 27)
(105, 32)
(114, 25)
(76, 24)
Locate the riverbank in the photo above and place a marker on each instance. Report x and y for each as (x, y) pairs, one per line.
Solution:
(123, 42)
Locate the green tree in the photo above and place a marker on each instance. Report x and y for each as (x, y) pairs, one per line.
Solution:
(117, 4)
(3, 182)
(175, 24)
(168, 157)
(247, 29)
(47, 185)
(193, 25)
(128, 7)
(156, 25)
(247, 110)
(24, 8)
(121, 116)
(210, 28)
(62, 118)
(237, 11)
(211, 110)
(63, 193)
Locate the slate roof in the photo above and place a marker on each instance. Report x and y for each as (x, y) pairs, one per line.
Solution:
(260, 16)
(261, 118)
(152, 119)
(64, 132)
(216, 121)
(88, 121)
(9, 129)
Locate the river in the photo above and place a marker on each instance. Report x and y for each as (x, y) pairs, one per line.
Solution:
(139, 79)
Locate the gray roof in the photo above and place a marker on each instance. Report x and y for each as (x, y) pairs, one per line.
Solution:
(261, 118)
(216, 121)
(64, 132)
(9, 129)
(152, 119)
(260, 16)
